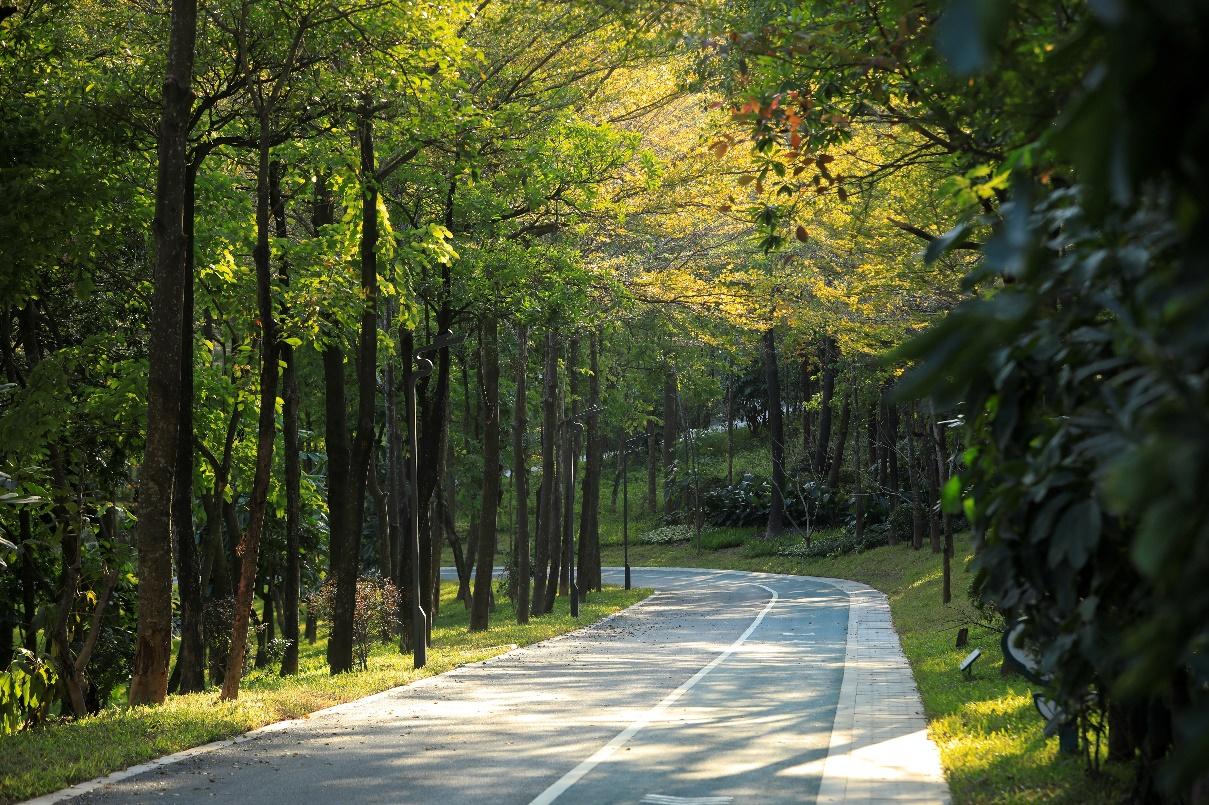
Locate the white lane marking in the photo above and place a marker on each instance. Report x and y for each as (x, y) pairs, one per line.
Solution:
(605, 752)
(665, 799)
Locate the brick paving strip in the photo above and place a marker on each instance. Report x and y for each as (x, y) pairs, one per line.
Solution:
(880, 750)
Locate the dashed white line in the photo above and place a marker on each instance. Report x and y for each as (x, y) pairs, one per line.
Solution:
(605, 752)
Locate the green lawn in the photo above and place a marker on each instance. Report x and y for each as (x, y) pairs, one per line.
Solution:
(56, 755)
(989, 735)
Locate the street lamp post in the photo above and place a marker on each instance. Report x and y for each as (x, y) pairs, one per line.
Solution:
(422, 368)
(419, 631)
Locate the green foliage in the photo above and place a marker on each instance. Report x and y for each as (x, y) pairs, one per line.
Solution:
(27, 690)
(667, 535)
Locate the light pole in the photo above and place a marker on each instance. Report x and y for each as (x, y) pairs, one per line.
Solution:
(419, 631)
(422, 368)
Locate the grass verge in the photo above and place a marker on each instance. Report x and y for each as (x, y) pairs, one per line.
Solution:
(990, 737)
(56, 755)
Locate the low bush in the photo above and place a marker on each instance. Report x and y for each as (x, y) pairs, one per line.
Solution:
(667, 535)
(839, 543)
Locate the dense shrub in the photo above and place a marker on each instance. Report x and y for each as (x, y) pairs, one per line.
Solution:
(747, 503)
(27, 690)
(839, 544)
(667, 535)
(375, 613)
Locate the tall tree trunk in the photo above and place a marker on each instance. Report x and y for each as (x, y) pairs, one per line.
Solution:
(341, 512)
(827, 358)
(860, 481)
(776, 429)
(807, 394)
(932, 474)
(570, 462)
(434, 436)
(191, 656)
(894, 479)
(153, 531)
(292, 457)
(485, 565)
(913, 481)
(341, 653)
(670, 428)
(520, 475)
(547, 522)
(841, 438)
(595, 465)
(652, 493)
(249, 545)
(730, 433)
(946, 523)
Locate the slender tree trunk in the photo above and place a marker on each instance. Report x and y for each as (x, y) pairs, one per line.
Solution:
(570, 460)
(292, 458)
(895, 480)
(595, 463)
(670, 428)
(520, 475)
(730, 433)
(190, 659)
(946, 523)
(932, 475)
(652, 493)
(827, 358)
(841, 439)
(776, 429)
(807, 394)
(153, 531)
(917, 517)
(547, 522)
(249, 546)
(485, 565)
(860, 482)
(341, 654)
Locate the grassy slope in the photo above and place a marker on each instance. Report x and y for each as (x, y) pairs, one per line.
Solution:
(989, 735)
(56, 755)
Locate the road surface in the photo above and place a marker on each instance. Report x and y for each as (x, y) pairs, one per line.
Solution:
(722, 687)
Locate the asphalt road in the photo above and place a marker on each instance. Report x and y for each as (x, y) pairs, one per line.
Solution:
(721, 687)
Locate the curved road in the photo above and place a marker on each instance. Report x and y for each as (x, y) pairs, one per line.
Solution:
(722, 687)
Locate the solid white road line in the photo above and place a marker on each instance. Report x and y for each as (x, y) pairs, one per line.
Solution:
(605, 752)
(664, 799)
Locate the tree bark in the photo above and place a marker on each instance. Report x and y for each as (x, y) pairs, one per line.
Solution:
(670, 428)
(520, 475)
(341, 654)
(841, 439)
(590, 526)
(917, 519)
(730, 433)
(776, 430)
(827, 357)
(249, 546)
(807, 394)
(485, 565)
(190, 658)
(652, 493)
(153, 642)
(292, 460)
(547, 521)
